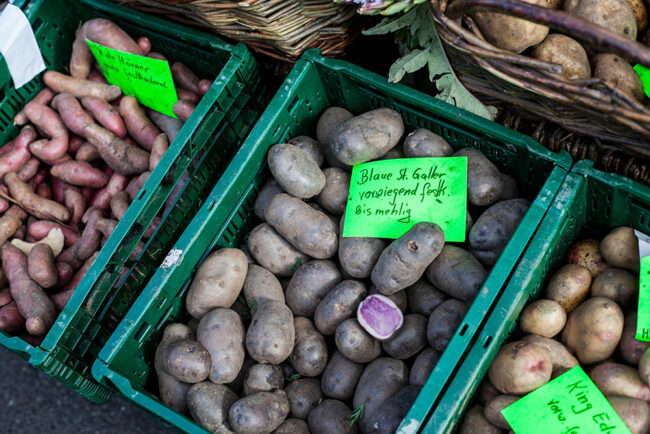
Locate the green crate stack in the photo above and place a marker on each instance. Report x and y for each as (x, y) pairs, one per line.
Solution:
(203, 148)
(589, 204)
(314, 84)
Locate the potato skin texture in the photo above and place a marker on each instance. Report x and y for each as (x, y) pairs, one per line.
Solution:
(567, 52)
(493, 229)
(443, 322)
(309, 355)
(217, 282)
(260, 284)
(173, 393)
(424, 143)
(635, 413)
(587, 253)
(520, 367)
(484, 184)
(381, 379)
(543, 317)
(358, 255)
(340, 377)
(492, 410)
(422, 367)
(260, 412)
(311, 147)
(618, 379)
(334, 196)
(593, 330)
(187, 360)
(619, 285)
(295, 171)
(327, 124)
(307, 229)
(615, 15)
(304, 395)
(41, 267)
(339, 304)
(209, 403)
(270, 337)
(292, 426)
(405, 260)
(368, 136)
(423, 297)
(620, 249)
(355, 343)
(309, 285)
(273, 252)
(560, 356)
(331, 416)
(262, 377)
(409, 339)
(629, 348)
(221, 332)
(457, 273)
(569, 286)
(474, 422)
(270, 189)
(393, 411)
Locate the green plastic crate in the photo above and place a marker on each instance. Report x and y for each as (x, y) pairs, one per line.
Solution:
(314, 84)
(212, 134)
(590, 203)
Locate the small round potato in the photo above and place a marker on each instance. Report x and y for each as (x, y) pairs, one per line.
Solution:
(217, 282)
(358, 255)
(569, 286)
(381, 379)
(273, 252)
(423, 366)
(443, 322)
(355, 343)
(295, 171)
(271, 335)
(587, 253)
(309, 355)
(260, 412)
(304, 395)
(309, 285)
(409, 339)
(629, 348)
(520, 367)
(338, 305)
(543, 317)
(221, 332)
(618, 379)
(492, 410)
(619, 285)
(331, 416)
(340, 377)
(560, 356)
(307, 229)
(484, 184)
(172, 392)
(474, 422)
(424, 143)
(368, 136)
(311, 147)
(617, 70)
(405, 260)
(614, 15)
(635, 413)
(457, 273)
(593, 330)
(566, 52)
(620, 248)
(270, 189)
(334, 196)
(423, 297)
(262, 377)
(209, 403)
(260, 285)
(187, 360)
(292, 426)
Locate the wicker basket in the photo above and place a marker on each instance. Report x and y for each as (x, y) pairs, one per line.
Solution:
(591, 107)
(282, 29)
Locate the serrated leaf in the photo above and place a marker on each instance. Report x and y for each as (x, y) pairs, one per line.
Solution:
(391, 24)
(413, 61)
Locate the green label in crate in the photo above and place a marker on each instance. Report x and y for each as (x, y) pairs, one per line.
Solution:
(643, 316)
(388, 197)
(569, 404)
(149, 80)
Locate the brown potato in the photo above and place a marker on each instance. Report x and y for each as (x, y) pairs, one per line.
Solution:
(209, 403)
(560, 356)
(260, 284)
(334, 196)
(217, 282)
(474, 422)
(422, 367)
(340, 377)
(640, 14)
(187, 360)
(543, 317)
(171, 391)
(331, 416)
(492, 410)
(615, 15)
(593, 330)
(620, 248)
(309, 355)
(355, 343)
(221, 332)
(457, 273)
(635, 413)
(260, 412)
(409, 339)
(271, 335)
(424, 143)
(619, 285)
(587, 254)
(338, 305)
(566, 52)
(262, 377)
(569, 286)
(629, 348)
(304, 395)
(273, 252)
(295, 170)
(309, 285)
(520, 367)
(617, 379)
(484, 184)
(617, 70)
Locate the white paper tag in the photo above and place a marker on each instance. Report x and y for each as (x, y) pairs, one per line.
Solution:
(644, 244)
(172, 258)
(18, 46)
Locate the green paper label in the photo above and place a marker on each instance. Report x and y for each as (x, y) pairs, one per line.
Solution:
(643, 316)
(388, 197)
(644, 74)
(569, 404)
(148, 80)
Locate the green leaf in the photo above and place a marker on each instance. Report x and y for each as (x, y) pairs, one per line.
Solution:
(413, 61)
(293, 377)
(296, 265)
(391, 25)
(357, 414)
(254, 306)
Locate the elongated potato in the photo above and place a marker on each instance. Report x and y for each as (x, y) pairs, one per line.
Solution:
(270, 337)
(388, 419)
(424, 143)
(270, 189)
(260, 284)
(334, 196)
(273, 252)
(618, 379)
(304, 395)
(309, 285)
(41, 267)
(262, 377)
(295, 171)
(520, 367)
(331, 416)
(338, 305)
(484, 184)
(309, 355)
(340, 377)
(217, 282)
(173, 393)
(209, 403)
(355, 343)
(422, 367)
(358, 255)
(409, 339)
(307, 229)
(635, 413)
(457, 272)
(221, 332)
(405, 260)
(569, 286)
(187, 360)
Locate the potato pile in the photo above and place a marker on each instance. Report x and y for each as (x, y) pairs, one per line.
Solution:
(302, 330)
(626, 17)
(82, 156)
(587, 317)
